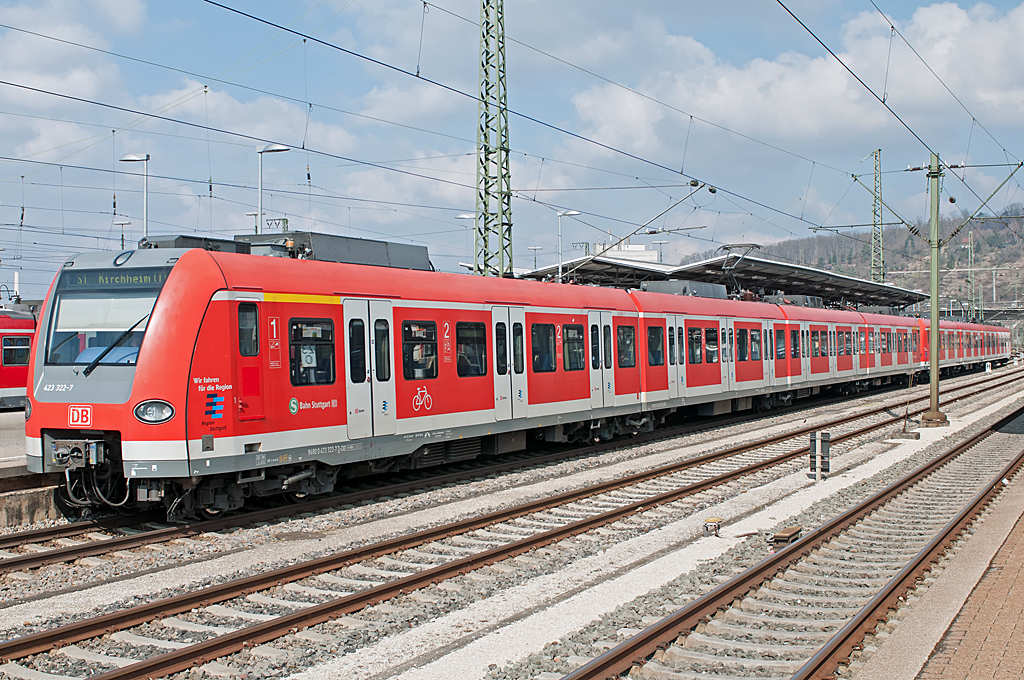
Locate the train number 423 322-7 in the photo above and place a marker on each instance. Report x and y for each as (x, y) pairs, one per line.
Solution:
(57, 388)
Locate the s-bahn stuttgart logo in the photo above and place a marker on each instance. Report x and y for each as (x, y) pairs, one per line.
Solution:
(79, 416)
(214, 405)
(293, 406)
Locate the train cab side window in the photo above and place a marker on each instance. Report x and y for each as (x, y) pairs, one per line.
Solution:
(671, 345)
(501, 348)
(574, 348)
(356, 351)
(696, 345)
(470, 349)
(626, 336)
(607, 334)
(794, 344)
(741, 344)
(382, 349)
(655, 346)
(518, 348)
(248, 329)
(419, 350)
(311, 351)
(542, 342)
(595, 346)
(755, 345)
(711, 345)
(16, 349)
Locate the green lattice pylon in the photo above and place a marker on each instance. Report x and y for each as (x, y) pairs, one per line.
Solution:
(493, 247)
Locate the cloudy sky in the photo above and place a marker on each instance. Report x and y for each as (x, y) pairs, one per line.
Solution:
(615, 108)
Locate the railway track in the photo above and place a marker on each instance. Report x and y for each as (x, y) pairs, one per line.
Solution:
(246, 614)
(801, 612)
(27, 550)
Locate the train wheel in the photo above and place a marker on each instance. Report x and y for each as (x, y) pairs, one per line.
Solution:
(295, 496)
(209, 513)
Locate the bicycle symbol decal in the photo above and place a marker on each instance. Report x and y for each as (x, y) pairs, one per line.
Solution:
(422, 399)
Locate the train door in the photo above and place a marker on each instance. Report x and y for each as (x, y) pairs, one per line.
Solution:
(503, 370)
(520, 393)
(607, 358)
(805, 350)
(728, 355)
(769, 354)
(382, 382)
(356, 367)
(250, 361)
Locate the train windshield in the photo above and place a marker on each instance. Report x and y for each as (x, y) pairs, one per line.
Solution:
(102, 314)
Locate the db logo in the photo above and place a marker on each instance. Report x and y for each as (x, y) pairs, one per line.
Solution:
(79, 416)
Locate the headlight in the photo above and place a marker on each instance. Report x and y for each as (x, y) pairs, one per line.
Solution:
(28, 408)
(154, 411)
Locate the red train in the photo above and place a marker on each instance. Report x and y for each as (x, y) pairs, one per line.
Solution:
(195, 379)
(16, 331)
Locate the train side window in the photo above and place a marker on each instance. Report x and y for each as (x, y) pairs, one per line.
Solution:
(671, 345)
(696, 345)
(16, 350)
(711, 345)
(248, 329)
(805, 349)
(311, 351)
(626, 336)
(794, 344)
(501, 348)
(741, 344)
(780, 345)
(607, 346)
(382, 349)
(680, 345)
(815, 343)
(655, 346)
(357, 351)
(595, 346)
(542, 342)
(574, 348)
(729, 355)
(419, 350)
(840, 345)
(518, 348)
(832, 343)
(755, 345)
(470, 349)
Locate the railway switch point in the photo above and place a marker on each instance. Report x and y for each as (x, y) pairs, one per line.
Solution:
(712, 526)
(785, 536)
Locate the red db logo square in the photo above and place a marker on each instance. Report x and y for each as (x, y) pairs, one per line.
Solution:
(79, 416)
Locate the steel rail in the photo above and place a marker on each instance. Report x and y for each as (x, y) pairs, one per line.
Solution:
(622, 658)
(93, 548)
(45, 640)
(837, 650)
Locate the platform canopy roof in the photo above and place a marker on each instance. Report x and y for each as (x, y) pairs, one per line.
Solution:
(733, 270)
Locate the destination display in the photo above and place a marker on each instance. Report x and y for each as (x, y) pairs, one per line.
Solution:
(114, 279)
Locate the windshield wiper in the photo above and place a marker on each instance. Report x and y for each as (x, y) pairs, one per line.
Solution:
(124, 336)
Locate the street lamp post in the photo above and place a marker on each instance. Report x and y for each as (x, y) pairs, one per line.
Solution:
(269, 148)
(660, 253)
(144, 158)
(122, 225)
(561, 214)
(535, 249)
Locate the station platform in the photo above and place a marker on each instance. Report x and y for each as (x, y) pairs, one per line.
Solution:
(12, 445)
(969, 624)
